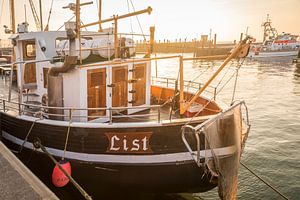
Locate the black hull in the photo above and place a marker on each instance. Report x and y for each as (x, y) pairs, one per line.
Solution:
(99, 177)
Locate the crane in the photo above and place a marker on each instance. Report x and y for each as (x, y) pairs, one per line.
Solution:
(35, 16)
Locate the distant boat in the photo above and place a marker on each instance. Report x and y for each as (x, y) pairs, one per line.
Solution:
(275, 45)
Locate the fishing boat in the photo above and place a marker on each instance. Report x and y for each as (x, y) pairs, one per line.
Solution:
(118, 127)
(274, 44)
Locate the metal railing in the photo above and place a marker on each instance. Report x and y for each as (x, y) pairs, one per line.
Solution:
(42, 111)
(191, 86)
(198, 130)
(110, 115)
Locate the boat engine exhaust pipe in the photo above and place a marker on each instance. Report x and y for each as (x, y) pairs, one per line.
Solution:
(55, 79)
(55, 87)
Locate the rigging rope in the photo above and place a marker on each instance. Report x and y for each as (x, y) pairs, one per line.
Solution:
(64, 23)
(129, 17)
(219, 83)
(50, 12)
(138, 20)
(198, 76)
(210, 100)
(265, 182)
(235, 81)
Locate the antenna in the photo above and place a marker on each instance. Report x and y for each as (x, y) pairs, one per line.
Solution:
(247, 28)
(99, 15)
(25, 12)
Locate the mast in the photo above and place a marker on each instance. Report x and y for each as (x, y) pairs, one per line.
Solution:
(41, 15)
(77, 13)
(99, 15)
(12, 15)
(265, 24)
(116, 40)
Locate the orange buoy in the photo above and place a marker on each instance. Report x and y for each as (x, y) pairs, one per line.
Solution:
(59, 179)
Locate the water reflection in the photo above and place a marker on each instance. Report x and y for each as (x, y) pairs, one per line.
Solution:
(143, 196)
(297, 72)
(276, 66)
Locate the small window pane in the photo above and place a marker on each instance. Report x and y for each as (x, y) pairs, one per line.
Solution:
(30, 50)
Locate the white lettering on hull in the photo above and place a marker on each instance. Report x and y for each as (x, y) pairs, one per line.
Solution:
(137, 142)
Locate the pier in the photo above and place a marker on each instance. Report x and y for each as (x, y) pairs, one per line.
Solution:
(198, 48)
(17, 181)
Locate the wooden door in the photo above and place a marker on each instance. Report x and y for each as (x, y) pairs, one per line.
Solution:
(96, 83)
(29, 53)
(119, 86)
(139, 84)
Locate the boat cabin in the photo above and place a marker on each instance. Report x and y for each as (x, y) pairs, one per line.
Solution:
(104, 84)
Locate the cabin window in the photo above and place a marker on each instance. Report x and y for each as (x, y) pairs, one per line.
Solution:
(29, 53)
(45, 75)
(30, 50)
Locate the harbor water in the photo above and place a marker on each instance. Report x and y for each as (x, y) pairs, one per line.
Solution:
(271, 89)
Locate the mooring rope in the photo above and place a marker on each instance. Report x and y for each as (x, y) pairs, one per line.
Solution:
(265, 182)
(27, 135)
(68, 133)
(37, 144)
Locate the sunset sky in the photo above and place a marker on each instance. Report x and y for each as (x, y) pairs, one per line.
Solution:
(177, 18)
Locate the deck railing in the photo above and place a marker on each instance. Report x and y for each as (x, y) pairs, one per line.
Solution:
(42, 111)
(198, 130)
(111, 114)
(189, 86)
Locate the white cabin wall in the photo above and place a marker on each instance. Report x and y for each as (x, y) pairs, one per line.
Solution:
(19, 52)
(71, 93)
(41, 90)
(83, 93)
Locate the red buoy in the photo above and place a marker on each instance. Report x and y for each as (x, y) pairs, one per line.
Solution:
(58, 177)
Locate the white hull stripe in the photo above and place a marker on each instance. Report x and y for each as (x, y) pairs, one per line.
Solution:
(126, 159)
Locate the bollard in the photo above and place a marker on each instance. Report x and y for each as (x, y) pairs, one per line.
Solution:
(215, 40)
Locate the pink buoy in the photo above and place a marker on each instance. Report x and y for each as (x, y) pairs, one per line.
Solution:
(58, 177)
